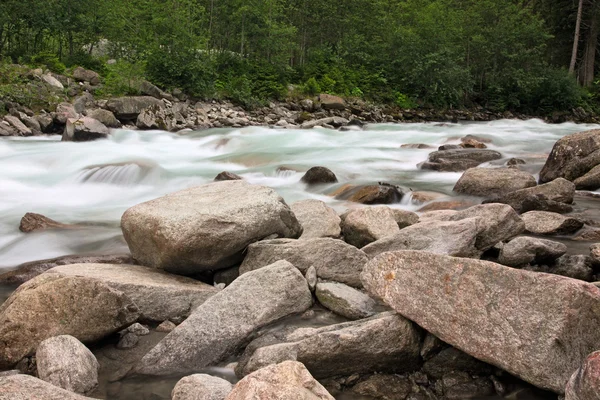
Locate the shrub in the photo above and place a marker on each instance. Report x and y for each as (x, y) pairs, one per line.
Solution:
(50, 61)
(123, 78)
(312, 87)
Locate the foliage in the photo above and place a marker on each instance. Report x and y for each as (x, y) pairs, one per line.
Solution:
(123, 78)
(312, 87)
(48, 60)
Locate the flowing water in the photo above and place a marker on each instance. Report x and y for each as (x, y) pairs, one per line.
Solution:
(95, 182)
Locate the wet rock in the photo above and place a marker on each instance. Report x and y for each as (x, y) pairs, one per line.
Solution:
(45, 121)
(371, 194)
(344, 300)
(460, 386)
(105, 117)
(19, 126)
(366, 225)
(363, 346)
(470, 143)
(319, 175)
(572, 156)
(201, 387)
(332, 258)
(490, 311)
(84, 129)
(585, 382)
(559, 190)
(587, 233)
(527, 250)
(65, 362)
(451, 359)
(51, 305)
(27, 271)
(32, 222)
(330, 102)
(449, 147)
(128, 108)
(26, 387)
(456, 160)
(384, 387)
(157, 117)
(85, 75)
(220, 325)
(331, 122)
(486, 182)
(287, 380)
(573, 266)
(158, 295)
(405, 218)
(416, 146)
(548, 223)
(317, 219)
(214, 225)
(64, 111)
(227, 176)
(447, 205)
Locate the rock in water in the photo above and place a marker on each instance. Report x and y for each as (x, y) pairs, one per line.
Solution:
(585, 382)
(84, 129)
(25, 387)
(549, 223)
(201, 387)
(128, 108)
(366, 225)
(524, 250)
(285, 381)
(455, 160)
(538, 327)
(65, 362)
(317, 219)
(206, 227)
(488, 182)
(221, 324)
(37, 222)
(319, 175)
(51, 305)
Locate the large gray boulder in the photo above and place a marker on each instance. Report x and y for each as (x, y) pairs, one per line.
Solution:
(559, 190)
(549, 223)
(221, 324)
(86, 75)
(345, 300)
(65, 362)
(589, 181)
(206, 227)
(520, 321)
(333, 259)
(572, 156)
(52, 305)
(585, 382)
(201, 387)
(527, 250)
(366, 225)
(158, 295)
(26, 387)
(489, 182)
(386, 342)
(456, 160)
(84, 129)
(105, 117)
(287, 380)
(317, 219)
(128, 108)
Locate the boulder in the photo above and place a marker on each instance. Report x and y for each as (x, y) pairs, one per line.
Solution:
(381, 193)
(201, 387)
(26, 387)
(572, 156)
(366, 225)
(332, 258)
(218, 327)
(105, 117)
(549, 223)
(51, 305)
(27, 271)
(65, 362)
(344, 300)
(363, 346)
(327, 121)
(456, 160)
(128, 108)
(19, 126)
(595, 253)
(85, 75)
(157, 117)
(585, 382)
(317, 219)
(52, 81)
(384, 387)
(589, 181)
(158, 295)
(206, 227)
(573, 266)
(84, 129)
(287, 380)
(227, 176)
(520, 321)
(405, 218)
(330, 102)
(458, 385)
(527, 250)
(559, 190)
(452, 359)
(37, 222)
(64, 111)
(486, 182)
(318, 175)
(83, 102)
(149, 89)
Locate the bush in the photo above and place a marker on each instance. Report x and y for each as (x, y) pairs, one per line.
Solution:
(123, 78)
(403, 101)
(50, 61)
(327, 84)
(312, 87)
(87, 61)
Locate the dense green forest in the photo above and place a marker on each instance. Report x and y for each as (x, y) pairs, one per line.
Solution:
(499, 54)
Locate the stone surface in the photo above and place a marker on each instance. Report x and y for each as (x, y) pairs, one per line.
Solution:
(84, 129)
(363, 346)
(345, 300)
(451, 359)
(206, 227)
(523, 322)
(332, 258)
(548, 223)
(105, 117)
(287, 380)
(51, 305)
(573, 266)
(595, 253)
(330, 102)
(85, 75)
(486, 182)
(317, 219)
(366, 225)
(36, 222)
(319, 175)
(227, 176)
(25, 387)
(52, 81)
(589, 181)
(201, 387)
(405, 218)
(65, 362)
(527, 250)
(384, 387)
(158, 295)
(128, 108)
(20, 127)
(370, 194)
(166, 326)
(585, 382)
(456, 160)
(221, 324)
(559, 190)
(572, 156)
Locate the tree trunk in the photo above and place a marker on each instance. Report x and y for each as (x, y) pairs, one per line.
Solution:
(586, 73)
(576, 39)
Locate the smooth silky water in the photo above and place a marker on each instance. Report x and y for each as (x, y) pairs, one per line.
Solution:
(93, 183)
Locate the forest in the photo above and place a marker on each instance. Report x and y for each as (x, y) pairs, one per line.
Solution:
(532, 56)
